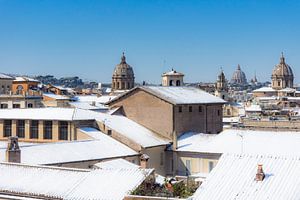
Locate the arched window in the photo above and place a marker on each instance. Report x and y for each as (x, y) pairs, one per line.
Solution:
(171, 83)
(118, 85)
(178, 83)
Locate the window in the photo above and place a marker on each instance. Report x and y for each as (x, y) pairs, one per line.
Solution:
(7, 128)
(47, 129)
(171, 83)
(4, 105)
(30, 105)
(200, 108)
(180, 109)
(211, 165)
(218, 112)
(63, 130)
(21, 128)
(34, 129)
(178, 83)
(108, 132)
(278, 83)
(228, 112)
(190, 109)
(16, 105)
(187, 167)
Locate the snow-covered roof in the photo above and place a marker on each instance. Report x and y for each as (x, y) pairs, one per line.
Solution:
(242, 141)
(4, 76)
(173, 72)
(288, 90)
(69, 184)
(104, 147)
(88, 106)
(132, 130)
(178, 95)
(65, 114)
(55, 96)
(234, 178)
(116, 164)
(253, 108)
(22, 78)
(265, 89)
(231, 119)
(93, 98)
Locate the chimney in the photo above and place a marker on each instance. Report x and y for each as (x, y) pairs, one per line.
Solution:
(260, 175)
(144, 160)
(13, 152)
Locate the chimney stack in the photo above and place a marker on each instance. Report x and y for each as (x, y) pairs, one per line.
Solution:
(13, 152)
(260, 175)
(144, 160)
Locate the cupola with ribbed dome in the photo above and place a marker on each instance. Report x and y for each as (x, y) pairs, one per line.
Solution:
(123, 76)
(239, 77)
(282, 76)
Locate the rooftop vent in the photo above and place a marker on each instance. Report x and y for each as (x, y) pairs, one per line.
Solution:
(260, 175)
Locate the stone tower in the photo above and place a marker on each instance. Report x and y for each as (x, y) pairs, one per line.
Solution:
(172, 78)
(123, 76)
(13, 152)
(282, 76)
(221, 86)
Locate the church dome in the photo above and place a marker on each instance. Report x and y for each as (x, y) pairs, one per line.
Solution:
(282, 69)
(123, 69)
(239, 77)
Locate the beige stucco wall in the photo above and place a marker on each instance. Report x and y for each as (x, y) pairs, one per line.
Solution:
(148, 111)
(157, 159)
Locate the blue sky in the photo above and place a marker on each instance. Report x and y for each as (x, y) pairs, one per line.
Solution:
(86, 38)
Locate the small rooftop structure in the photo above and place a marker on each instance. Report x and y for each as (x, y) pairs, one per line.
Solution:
(235, 177)
(71, 184)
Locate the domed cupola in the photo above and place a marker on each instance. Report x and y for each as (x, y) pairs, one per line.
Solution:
(282, 75)
(239, 77)
(123, 76)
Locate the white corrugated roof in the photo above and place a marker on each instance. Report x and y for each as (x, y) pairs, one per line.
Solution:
(71, 184)
(242, 141)
(234, 179)
(116, 164)
(67, 114)
(104, 147)
(132, 130)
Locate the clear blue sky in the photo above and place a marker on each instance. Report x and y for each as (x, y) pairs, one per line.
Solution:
(86, 38)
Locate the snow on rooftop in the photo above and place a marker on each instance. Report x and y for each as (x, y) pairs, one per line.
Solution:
(4, 76)
(242, 141)
(104, 147)
(265, 89)
(55, 113)
(183, 95)
(88, 106)
(132, 130)
(70, 184)
(234, 178)
(253, 108)
(21, 79)
(116, 164)
(93, 98)
(288, 90)
(55, 96)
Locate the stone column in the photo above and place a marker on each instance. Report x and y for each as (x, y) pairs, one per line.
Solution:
(55, 131)
(41, 130)
(27, 129)
(14, 128)
(1, 129)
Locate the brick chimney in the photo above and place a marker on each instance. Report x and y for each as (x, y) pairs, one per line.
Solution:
(13, 152)
(260, 175)
(144, 160)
